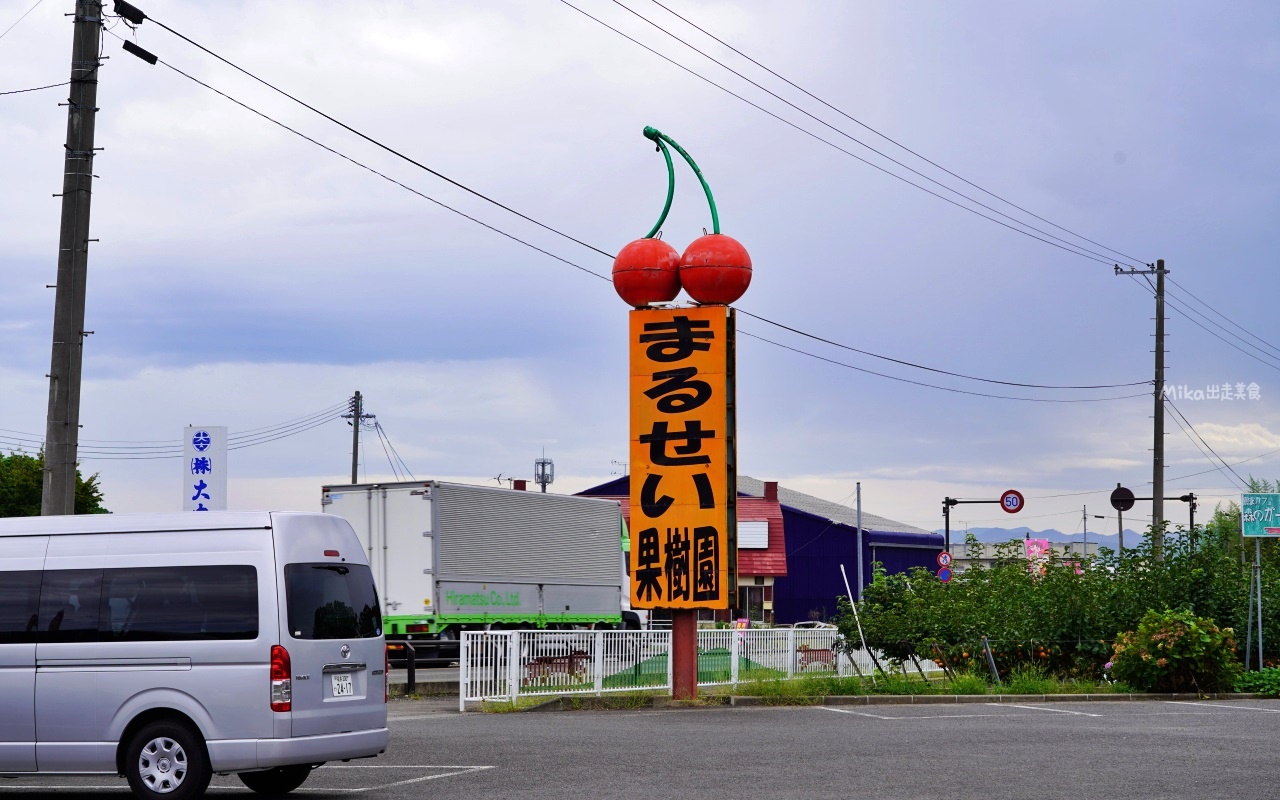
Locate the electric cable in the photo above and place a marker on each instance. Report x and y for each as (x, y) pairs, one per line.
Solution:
(935, 386)
(1178, 310)
(1201, 450)
(1182, 292)
(1178, 411)
(856, 140)
(570, 263)
(36, 89)
(1192, 295)
(831, 144)
(20, 19)
(887, 137)
(382, 441)
(941, 371)
(377, 143)
(388, 178)
(403, 465)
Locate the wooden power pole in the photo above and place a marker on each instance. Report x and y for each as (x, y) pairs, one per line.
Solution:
(62, 431)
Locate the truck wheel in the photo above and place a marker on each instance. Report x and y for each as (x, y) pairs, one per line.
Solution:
(280, 780)
(166, 760)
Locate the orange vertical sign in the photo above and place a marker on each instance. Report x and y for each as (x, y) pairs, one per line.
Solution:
(683, 458)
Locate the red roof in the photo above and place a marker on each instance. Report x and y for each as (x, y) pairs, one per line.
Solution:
(751, 561)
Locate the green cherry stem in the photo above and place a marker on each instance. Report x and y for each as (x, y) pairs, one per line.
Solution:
(671, 190)
(659, 137)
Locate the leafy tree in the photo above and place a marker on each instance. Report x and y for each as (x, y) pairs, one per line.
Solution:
(22, 480)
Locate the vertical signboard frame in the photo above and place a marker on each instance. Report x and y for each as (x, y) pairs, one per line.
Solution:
(204, 468)
(683, 458)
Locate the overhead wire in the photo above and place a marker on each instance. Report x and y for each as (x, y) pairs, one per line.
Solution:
(829, 143)
(886, 137)
(935, 386)
(20, 19)
(1178, 411)
(935, 369)
(377, 143)
(854, 139)
(36, 89)
(1218, 325)
(1232, 322)
(405, 467)
(603, 277)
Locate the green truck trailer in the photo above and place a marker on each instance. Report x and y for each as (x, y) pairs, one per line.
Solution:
(449, 557)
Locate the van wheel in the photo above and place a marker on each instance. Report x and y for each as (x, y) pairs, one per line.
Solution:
(166, 760)
(279, 780)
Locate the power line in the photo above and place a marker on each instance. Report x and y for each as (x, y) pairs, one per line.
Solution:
(886, 137)
(385, 177)
(1173, 305)
(36, 89)
(20, 19)
(1186, 432)
(377, 143)
(403, 465)
(854, 139)
(831, 144)
(935, 386)
(1183, 291)
(1178, 411)
(940, 371)
(592, 272)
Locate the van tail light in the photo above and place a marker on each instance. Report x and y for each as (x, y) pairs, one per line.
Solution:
(281, 682)
(386, 676)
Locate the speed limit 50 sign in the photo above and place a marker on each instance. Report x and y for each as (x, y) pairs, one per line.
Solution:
(1012, 501)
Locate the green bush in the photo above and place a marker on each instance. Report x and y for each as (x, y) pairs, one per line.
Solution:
(1265, 682)
(1176, 651)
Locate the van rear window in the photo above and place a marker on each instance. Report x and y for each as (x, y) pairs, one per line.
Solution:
(332, 601)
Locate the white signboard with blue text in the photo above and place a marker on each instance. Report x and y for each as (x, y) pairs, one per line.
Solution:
(204, 468)
(1260, 515)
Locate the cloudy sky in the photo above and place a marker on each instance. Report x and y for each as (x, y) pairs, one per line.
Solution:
(248, 278)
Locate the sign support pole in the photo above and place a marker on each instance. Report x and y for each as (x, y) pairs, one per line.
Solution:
(684, 654)
(1257, 571)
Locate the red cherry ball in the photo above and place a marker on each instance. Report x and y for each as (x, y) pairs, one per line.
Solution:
(715, 269)
(647, 271)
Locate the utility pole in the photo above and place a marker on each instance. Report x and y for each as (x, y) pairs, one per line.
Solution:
(62, 426)
(356, 416)
(1157, 458)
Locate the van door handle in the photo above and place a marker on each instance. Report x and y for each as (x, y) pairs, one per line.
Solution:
(329, 669)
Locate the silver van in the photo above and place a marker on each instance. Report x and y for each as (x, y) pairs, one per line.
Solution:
(168, 647)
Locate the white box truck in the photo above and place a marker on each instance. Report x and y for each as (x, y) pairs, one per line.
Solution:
(449, 557)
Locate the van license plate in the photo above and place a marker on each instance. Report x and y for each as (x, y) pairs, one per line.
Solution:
(342, 685)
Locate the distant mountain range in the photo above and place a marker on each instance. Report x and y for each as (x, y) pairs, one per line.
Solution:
(997, 535)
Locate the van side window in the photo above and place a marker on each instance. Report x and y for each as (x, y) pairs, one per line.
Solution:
(180, 603)
(331, 601)
(19, 606)
(144, 604)
(69, 604)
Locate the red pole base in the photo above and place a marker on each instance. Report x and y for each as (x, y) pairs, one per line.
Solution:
(684, 654)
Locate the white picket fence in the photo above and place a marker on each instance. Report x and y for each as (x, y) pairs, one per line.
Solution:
(504, 665)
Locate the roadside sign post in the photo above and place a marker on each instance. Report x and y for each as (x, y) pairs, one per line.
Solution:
(1011, 501)
(684, 486)
(1259, 519)
(1122, 499)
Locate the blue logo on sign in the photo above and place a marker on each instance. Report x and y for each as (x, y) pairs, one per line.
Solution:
(201, 440)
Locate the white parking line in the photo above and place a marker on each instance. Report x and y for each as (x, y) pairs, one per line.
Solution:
(918, 716)
(1212, 704)
(1042, 708)
(123, 786)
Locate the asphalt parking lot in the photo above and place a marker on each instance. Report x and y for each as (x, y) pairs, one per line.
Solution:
(1106, 750)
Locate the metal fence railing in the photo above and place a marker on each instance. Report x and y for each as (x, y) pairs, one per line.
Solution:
(505, 665)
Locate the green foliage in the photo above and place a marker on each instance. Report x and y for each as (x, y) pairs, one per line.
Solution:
(1176, 651)
(1064, 620)
(968, 683)
(1030, 679)
(22, 480)
(1264, 682)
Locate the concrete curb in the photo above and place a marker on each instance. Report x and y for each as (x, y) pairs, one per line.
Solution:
(592, 703)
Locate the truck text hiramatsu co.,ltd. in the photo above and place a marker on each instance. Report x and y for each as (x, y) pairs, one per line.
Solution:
(450, 557)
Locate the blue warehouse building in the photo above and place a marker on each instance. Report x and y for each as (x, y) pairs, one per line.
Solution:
(821, 536)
